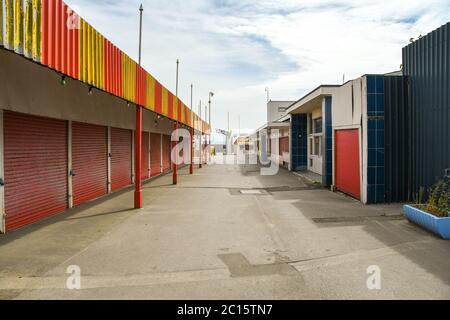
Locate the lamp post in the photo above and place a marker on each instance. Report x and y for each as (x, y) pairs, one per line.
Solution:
(201, 135)
(211, 94)
(191, 167)
(175, 128)
(138, 133)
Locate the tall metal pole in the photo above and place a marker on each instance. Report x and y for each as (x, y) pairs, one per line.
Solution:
(210, 126)
(141, 11)
(176, 89)
(138, 133)
(201, 136)
(175, 128)
(191, 167)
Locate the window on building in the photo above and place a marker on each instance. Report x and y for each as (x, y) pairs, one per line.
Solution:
(317, 127)
(282, 109)
(317, 146)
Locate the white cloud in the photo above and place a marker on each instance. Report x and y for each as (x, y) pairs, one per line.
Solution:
(236, 48)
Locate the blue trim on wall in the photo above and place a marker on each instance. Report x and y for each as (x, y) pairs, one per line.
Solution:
(328, 174)
(376, 188)
(299, 142)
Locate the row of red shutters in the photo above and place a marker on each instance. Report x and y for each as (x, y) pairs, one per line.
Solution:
(36, 161)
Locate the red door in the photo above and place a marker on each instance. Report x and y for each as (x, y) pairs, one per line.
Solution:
(284, 145)
(121, 148)
(166, 153)
(89, 162)
(155, 154)
(145, 155)
(348, 177)
(35, 164)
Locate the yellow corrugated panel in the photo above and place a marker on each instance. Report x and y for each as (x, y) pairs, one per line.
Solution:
(83, 34)
(28, 42)
(183, 114)
(81, 51)
(99, 62)
(18, 26)
(165, 101)
(97, 59)
(150, 92)
(102, 61)
(36, 30)
(175, 107)
(129, 78)
(90, 53)
(1, 22)
(8, 41)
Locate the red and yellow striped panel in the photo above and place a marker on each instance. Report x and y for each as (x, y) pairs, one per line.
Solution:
(51, 33)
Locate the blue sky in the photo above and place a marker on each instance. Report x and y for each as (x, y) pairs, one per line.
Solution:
(237, 48)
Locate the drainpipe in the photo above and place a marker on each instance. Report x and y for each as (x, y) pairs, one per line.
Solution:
(201, 150)
(191, 167)
(175, 160)
(137, 159)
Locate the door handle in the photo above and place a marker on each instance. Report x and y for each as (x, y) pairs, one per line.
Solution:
(72, 173)
(2, 183)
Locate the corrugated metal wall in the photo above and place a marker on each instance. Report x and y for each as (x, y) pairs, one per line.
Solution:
(396, 139)
(426, 63)
(51, 33)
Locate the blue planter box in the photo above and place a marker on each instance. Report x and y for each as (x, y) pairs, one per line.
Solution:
(439, 226)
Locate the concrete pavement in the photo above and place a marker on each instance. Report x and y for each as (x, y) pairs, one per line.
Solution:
(281, 238)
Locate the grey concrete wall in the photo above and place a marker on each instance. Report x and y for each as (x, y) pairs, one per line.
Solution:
(30, 88)
(272, 110)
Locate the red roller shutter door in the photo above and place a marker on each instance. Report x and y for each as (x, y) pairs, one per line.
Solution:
(166, 153)
(155, 154)
(89, 162)
(348, 177)
(145, 155)
(121, 148)
(284, 145)
(35, 164)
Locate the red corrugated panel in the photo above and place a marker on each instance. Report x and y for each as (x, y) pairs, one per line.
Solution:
(141, 93)
(187, 118)
(106, 64)
(145, 155)
(89, 162)
(76, 46)
(155, 154)
(69, 46)
(35, 163)
(58, 42)
(120, 73)
(166, 143)
(64, 39)
(113, 69)
(121, 167)
(348, 162)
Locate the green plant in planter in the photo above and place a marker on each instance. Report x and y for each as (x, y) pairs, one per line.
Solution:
(439, 199)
